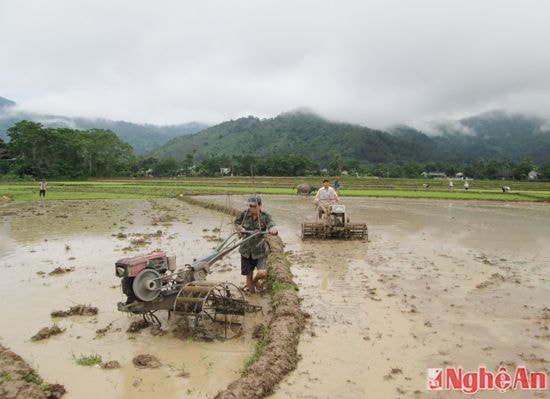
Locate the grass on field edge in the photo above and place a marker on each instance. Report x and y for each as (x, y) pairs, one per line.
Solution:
(92, 190)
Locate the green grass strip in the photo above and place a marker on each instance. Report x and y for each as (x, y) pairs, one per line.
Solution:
(143, 189)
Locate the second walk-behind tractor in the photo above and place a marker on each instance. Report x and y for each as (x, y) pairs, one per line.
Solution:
(333, 222)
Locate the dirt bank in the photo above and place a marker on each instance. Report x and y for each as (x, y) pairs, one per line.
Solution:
(18, 380)
(279, 353)
(279, 344)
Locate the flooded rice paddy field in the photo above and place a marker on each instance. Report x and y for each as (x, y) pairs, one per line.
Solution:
(86, 238)
(440, 283)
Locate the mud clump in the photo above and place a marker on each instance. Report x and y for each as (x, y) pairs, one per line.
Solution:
(112, 364)
(146, 362)
(394, 371)
(156, 331)
(165, 220)
(139, 239)
(212, 238)
(139, 242)
(184, 374)
(47, 332)
(19, 380)
(77, 310)
(545, 314)
(495, 279)
(100, 332)
(60, 270)
(184, 331)
(137, 325)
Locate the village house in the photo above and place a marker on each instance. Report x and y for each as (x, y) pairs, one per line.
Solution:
(434, 175)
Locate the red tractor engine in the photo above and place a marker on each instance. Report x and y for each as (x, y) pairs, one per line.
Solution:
(129, 268)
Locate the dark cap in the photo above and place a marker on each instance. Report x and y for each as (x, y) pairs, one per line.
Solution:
(255, 200)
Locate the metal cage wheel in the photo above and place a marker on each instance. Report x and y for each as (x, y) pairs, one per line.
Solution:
(218, 309)
(223, 311)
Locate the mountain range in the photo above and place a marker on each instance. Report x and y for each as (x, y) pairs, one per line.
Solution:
(497, 135)
(493, 135)
(142, 137)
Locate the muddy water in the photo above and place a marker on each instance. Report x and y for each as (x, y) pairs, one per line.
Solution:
(441, 283)
(90, 236)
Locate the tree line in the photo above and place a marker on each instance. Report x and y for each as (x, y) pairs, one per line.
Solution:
(36, 151)
(44, 152)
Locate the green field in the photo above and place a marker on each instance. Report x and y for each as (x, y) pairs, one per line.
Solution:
(171, 188)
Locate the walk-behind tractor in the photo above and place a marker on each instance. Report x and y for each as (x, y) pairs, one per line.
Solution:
(333, 222)
(152, 282)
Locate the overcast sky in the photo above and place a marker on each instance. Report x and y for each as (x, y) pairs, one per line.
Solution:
(374, 63)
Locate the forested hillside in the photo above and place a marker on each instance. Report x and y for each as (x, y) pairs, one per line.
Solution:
(495, 135)
(298, 133)
(498, 136)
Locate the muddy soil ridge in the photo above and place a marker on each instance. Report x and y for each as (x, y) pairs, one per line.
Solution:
(279, 353)
(210, 205)
(19, 380)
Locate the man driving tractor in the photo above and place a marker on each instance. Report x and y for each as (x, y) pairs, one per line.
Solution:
(332, 218)
(325, 197)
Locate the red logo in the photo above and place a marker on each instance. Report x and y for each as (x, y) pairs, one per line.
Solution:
(456, 379)
(435, 379)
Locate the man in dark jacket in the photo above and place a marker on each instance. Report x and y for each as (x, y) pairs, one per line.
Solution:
(253, 252)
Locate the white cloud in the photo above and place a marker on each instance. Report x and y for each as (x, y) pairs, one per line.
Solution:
(438, 127)
(369, 62)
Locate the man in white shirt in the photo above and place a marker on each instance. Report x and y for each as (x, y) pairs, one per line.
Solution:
(325, 196)
(42, 188)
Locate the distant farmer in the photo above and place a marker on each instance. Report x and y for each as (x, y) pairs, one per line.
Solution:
(253, 252)
(325, 196)
(466, 185)
(451, 185)
(42, 187)
(505, 189)
(336, 184)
